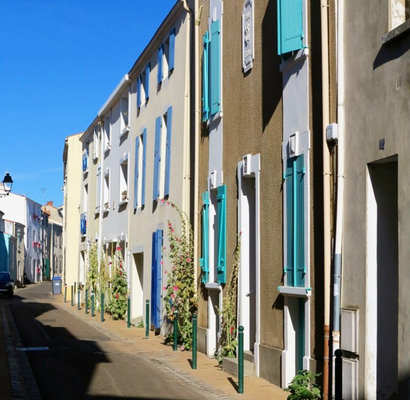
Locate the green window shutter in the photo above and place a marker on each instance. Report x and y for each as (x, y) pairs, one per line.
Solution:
(221, 214)
(215, 67)
(290, 26)
(205, 241)
(295, 267)
(205, 78)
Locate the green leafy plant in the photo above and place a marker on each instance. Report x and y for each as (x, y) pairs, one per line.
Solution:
(228, 312)
(119, 289)
(302, 386)
(180, 291)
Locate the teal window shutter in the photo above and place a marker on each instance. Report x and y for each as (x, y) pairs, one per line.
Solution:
(159, 66)
(295, 267)
(215, 67)
(157, 157)
(139, 92)
(203, 261)
(221, 214)
(171, 62)
(168, 152)
(290, 26)
(147, 72)
(136, 178)
(144, 152)
(205, 78)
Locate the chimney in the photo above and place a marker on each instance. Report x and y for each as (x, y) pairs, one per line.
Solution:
(50, 203)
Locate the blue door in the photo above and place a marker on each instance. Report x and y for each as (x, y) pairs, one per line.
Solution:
(156, 279)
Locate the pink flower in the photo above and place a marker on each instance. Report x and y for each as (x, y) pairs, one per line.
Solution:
(169, 224)
(172, 230)
(167, 203)
(188, 260)
(162, 201)
(119, 248)
(165, 248)
(175, 287)
(165, 272)
(164, 288)
(162, 262)
(117, 296)
(231, 330)
(120, 272)
(173, 296)
(173, 309)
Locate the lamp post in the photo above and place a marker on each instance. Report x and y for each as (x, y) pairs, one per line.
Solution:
(7, 185)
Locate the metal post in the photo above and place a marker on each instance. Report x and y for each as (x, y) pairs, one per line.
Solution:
(65, 293)
(147, 319)
(129, 312)
(75, 286)
(72, 296)
(86, 301)
(338, 374)
(79, 300)
(175, 330)
(102, 307)
(194, 341)
(92, 304)
(240, 360)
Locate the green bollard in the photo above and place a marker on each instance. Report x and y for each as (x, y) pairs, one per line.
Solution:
(79, 300)
(175, 330)
(72, 296)
(86, 301)
(65, 293)
(240, 360)
(147, 319)
(129, 312)
(102, 307)
(92, 304)
(194, 341)
(75, 286)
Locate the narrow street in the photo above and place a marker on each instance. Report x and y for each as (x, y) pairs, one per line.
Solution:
(72, 360)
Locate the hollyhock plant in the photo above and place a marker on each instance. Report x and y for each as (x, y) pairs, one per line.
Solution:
(118, 303)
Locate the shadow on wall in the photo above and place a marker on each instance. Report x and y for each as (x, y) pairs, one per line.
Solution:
(271, 75)
(392, 51)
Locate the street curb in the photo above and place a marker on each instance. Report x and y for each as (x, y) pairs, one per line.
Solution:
(23, 383)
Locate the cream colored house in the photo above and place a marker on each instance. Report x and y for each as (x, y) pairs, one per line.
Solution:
(71, 214)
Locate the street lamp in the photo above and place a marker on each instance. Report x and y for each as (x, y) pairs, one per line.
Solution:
(7, 185)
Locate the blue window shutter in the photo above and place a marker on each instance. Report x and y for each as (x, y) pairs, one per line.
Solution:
(155, 193)
(295, 222)
(290, 26)
(205, 78)
(154, 278)
(171, 50)
(138, 92)
(144, 152)
(215, 68)
(168, 152)
(159, 66)
(136, 177)
(159, 279)
(221, 267)
(147, 72)
(205, 242)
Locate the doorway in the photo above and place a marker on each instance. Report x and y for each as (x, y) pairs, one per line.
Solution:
(137, 286)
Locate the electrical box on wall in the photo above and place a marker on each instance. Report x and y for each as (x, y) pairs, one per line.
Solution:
(294, 145)
(331, 133)
(212, 180)
(350, 330)
(247, 165)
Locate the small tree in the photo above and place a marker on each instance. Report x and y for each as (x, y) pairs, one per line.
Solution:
(119, 290)
(302, 386)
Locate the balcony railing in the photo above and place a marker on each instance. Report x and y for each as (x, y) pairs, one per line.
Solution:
(83, 223)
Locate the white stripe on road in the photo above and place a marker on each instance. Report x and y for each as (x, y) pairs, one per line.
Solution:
(32, 348)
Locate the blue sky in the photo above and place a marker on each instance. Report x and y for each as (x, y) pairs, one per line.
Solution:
(59, 61)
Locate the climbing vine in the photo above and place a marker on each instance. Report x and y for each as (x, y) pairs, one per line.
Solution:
(180, 291)
(119, 288)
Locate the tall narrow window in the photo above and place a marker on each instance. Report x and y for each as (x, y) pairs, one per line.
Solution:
(106, 192)
(107, 134)
(124, 120)
(124, 181)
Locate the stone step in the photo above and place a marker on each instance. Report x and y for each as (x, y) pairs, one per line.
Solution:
(248, 356)
(230, 365)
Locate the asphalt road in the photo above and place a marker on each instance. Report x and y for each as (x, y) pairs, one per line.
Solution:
(72, 360)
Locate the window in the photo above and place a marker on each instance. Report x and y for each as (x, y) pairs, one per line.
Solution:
(106, 192)
(139, 170)
(124, 180)
(85, 160)
(295, 267)
(98, 191)
(399, 12)
(162, 155)
(124, 114)
(290, 26)
(96, 142)
(143, 86)
(203, 261)
(166, 57)
(107, 134)
(211, 71)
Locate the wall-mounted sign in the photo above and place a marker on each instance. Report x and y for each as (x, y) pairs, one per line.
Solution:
(247, 36)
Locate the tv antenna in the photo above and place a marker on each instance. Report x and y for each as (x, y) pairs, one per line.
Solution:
(42, 190)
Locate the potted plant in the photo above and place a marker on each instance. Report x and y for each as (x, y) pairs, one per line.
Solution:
(124, 195)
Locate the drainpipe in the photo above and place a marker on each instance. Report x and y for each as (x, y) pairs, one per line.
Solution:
(326, 190)
(340, 176)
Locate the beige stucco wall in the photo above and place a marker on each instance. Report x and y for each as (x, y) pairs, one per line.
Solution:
(71, 218)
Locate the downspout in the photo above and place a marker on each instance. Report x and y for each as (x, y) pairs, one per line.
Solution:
(340, 176)
(324, 16)
(102, 179)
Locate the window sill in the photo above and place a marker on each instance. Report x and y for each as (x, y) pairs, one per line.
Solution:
(396, 32)
(124, 131)
(122, 202)
(213, 286)
(295, 291)
(107, 149)
(97, 210)
(106, 210)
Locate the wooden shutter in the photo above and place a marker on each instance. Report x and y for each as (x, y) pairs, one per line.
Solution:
(221, 214)
(157, 158)
(147, 72)
(144, 152)
(205, 241)
(215, 67)
(290, 26)
(205, 78)
(139, 92)
(171, 63)
(159, 66)
(136, 171)
(168, 152)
